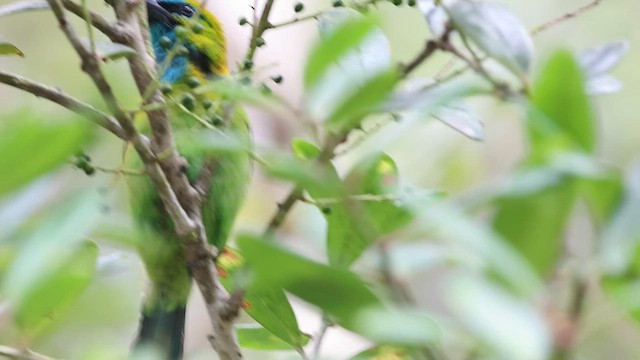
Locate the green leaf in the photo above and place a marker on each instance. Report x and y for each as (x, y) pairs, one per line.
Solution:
(304, 150)
(17, 7)
(354, 225)
(561, 117)
(9, 49)
(268, 306)
(233, 89)
(33, 148)
(397, 327)
(333, 47)
(107, 50)
(384, 353)
(258, 338)
(311, 176)
(45, 248)
(338, 292)
(495, 30)
(511, 327)
(57, 289)
(362, 101)
(535, 223)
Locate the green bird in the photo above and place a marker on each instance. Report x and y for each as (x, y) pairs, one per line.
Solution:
(189, 46)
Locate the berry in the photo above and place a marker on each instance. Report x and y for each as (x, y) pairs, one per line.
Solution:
(166, 89)
(260, 42)
(181, 32)
(243, 21)
(189, 102)
(197, 28)
(338, 3)
(298, 7)
(165, 42)
(193, 82)
(277, 79)
(207, 104)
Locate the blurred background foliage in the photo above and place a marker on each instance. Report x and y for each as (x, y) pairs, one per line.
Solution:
(477, 297)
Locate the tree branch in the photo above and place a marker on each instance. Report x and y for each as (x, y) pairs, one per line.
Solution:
(59, 97)
(112, 31)
(17, 354)
(570, 15)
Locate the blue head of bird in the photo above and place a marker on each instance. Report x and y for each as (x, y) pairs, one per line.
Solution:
(187, 40)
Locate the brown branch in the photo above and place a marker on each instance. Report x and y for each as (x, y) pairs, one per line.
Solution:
(59, 97)
(570, 15)
(193, 236)
(112, 31)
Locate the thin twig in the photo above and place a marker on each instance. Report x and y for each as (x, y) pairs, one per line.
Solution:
(112, 31)
(567, 16)
(59, 97)
(317, 342)
(296, 20)
(17, 354)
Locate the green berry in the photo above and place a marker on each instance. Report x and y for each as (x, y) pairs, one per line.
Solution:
(183, 51)
(248, 64)
(277, 79)
(298, 7)
(180, 31)
(243, 21)
(165, 42)
(338, 3)
(89, 170)
(197, 28)
(207, 104)
(397, 2)
(411, 3)
(217, 120)
(260, 42)
(189, 102)
(166, 89)
(193, 82)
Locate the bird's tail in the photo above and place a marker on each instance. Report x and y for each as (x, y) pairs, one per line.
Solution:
(163, 331)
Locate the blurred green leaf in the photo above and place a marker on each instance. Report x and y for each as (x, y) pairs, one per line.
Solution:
(338, 292)
(602, 195)
(397, 327)
(333, 47)
(17, 7)
(449, 223)
(235, 90)
(495, 30)
(620, 250)
(314, 177)
(268, 306)
(362, 101)
(108, 50)
(353, 225)
(259, 338)
(32, 148)
(384, 353)
(535, 223)
(561, 117)
(512, 327)
(57, 288)
(304, 150)
(9, 49)
(44, 249)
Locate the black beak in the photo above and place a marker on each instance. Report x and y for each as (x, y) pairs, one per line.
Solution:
(158, 14)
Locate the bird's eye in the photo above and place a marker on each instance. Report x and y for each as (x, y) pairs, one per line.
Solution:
(187, 11)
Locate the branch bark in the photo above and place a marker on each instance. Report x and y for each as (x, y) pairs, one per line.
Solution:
(162, 162)
(59, 97)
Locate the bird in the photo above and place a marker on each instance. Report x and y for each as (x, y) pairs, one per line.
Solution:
(189, 46)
